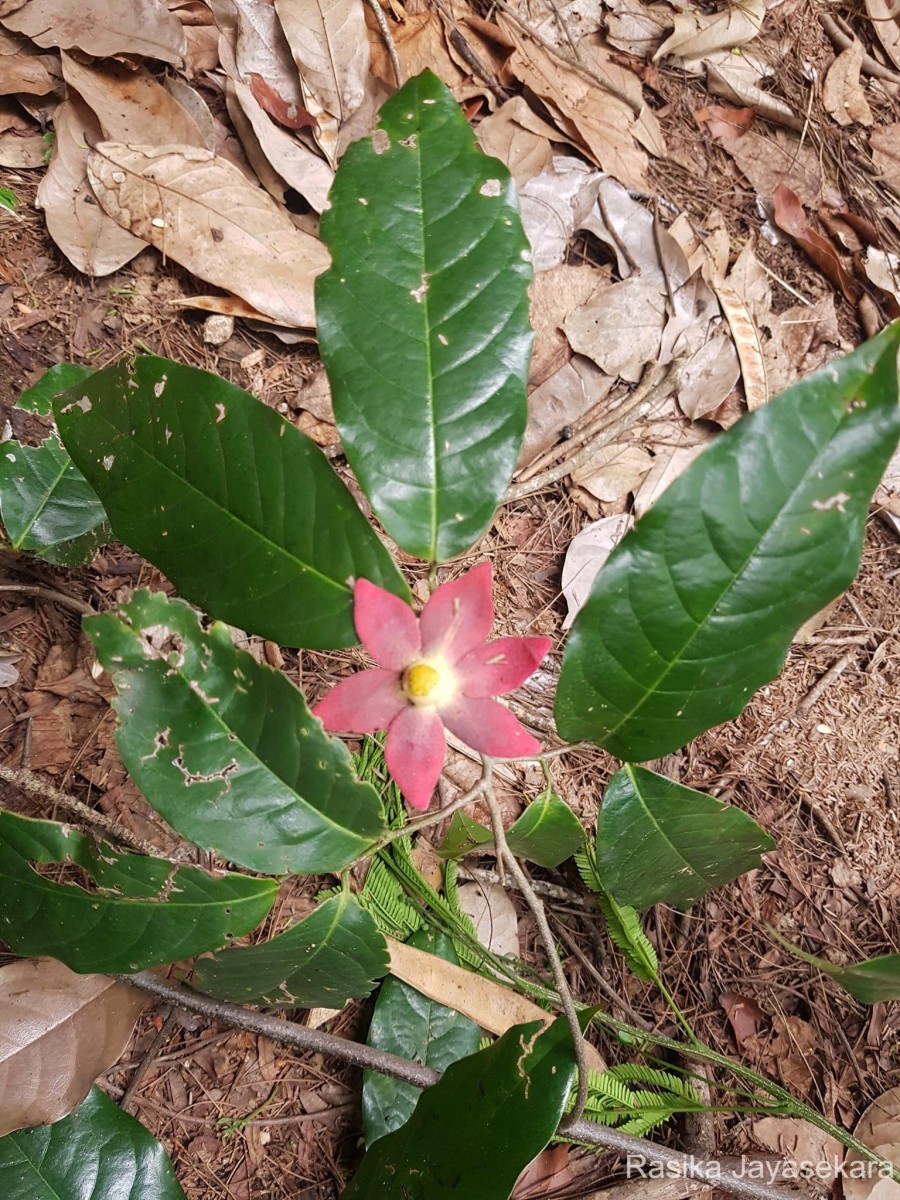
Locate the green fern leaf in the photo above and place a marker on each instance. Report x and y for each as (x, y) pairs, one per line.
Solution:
(624, 927)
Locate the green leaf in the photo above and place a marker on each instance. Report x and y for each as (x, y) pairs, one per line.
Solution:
(237, 507)
(658, 841)
(547, 833)
(868, 981)
(423, 321)
(97, 1152)
(696, 607)
(139, 913)
(331, 956)
(624, 927)
(472, 1134)
(409, 1024)
(225, 748)
(46, 503)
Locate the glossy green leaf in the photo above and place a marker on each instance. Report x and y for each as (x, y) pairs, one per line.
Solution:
(225, 748)
(46, 504)
(141, 911)
(472, 1134)
(547, 833)
(696, 607)
(331, 956)
(423, 321)
(869, 981)
(240, 510)
(411, 1025)
(97, 1152)
(658, 841)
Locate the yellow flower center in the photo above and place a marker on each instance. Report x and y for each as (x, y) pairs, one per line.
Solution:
(428, 683)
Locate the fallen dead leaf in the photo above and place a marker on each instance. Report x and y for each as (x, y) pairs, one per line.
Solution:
(494, 916)
(744, 1015)
(790, 217)
(491, 1006)
(707, 376)
(587, 553)
(553, 205)
(60, 1031)
(330, 46)
(144, 28)
(252, 44)
(568, 394)
(801, 1144)
(524, 152)
(885, 145)
(637, 28)
(804, 337)
(739, 79)
(667, 466)
(772, 159)
(727, 123)
(621, 331)
(747, 344)
(698, 34)
(883, 16)
(22, 153)
(554, 294)
(24, 70)
(546, 1175)
(842, 93)
(201, 211)
(612, 472)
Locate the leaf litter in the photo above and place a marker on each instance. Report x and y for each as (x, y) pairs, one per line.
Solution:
(595, 105)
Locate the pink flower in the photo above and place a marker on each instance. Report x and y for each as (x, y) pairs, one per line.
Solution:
(433, 671)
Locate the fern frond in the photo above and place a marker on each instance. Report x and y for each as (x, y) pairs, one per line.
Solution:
(386, 900)
(624, 927)
(586, 862)
(653, 1077)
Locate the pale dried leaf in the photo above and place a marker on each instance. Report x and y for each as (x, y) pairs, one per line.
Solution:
(667, 466)
(9, 672)
(58, 1032)
(553, 205)
(842, 93)
(798, 1142)
(883, 18)
(626, 227)
(622, 330)
(804, 337)
(587, 553)
(262, 170)
(23, 70)
(196, 108)
(564, 397)
(298, 166)
(522, 151)
(494, 916)
(554, 294)
(330, 46)
(612, 472)
(747, 344)
(22, 153)
(489, 1005)
(883, 269)
(421, 42)
(708, 376)
(259, 47)
(888, 495)
(885, 145)
(130, 105)
(698, 34)
(738, 78)
(93, 242)
(200, 210)
(141, 27)
(772, 158)
(636, 27)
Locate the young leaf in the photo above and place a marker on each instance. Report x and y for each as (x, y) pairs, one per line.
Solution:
(409, 1024)
(144, 912)
(869, 981)
(696, 607)
(60, 1031)
(225, 748)
(98, 1152)
(423, 321)
(659, 841)
(46, 503)
(624, 927)
(331, 956)
(472, 1134)
(547, 833)
(239, 509)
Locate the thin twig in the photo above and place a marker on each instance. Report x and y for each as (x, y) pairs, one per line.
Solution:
(30, 589)
(554, 890)
(289, 1033)
(602, 982)
(435, 818)
(509, 860)
(385, 30)
(825, 681)
(147, 1061)
(34, 785)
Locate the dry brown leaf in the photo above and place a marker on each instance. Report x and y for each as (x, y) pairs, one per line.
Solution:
(421, 41)
(547, 1175)
(524, 152)
(801, 1144)
(330, 45)
(636, 27)
(727, 123)
(489, 1005)
(200, 210)
(262, 170)
(23, 70)
(804, 337)
(140, 27)
(667, 466)
(554, 294)
(770, 159)
(885, 146)
(553, 205)
(566, 396)
(130, 105)
(707, 376)
(738, 78)
(494, 916)
(90, 240)
(298, 166)
(587, 553)
(883, 18)
(747, 344)
(790, 217)
(640, 243)
(22, 153)
(744, 1016)
(622, 330)
(888, 495)
(252, 42)
(842, 93)
(58, 1032)
(612, 472)
(697, 34)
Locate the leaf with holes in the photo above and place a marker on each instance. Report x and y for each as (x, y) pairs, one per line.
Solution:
(696, 607)
(472, 1134)
(658, 841)
(98, 1152)
(225, 748)
(237, 507)
(423, 321)
(415, 1027)
(331, 956)
(139, 913)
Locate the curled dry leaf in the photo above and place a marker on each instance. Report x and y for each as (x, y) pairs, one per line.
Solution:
(747, 344)
(23, 70)
(884, 143)
(201, 211)
(744, 1015)
(622, 330)
(59, 1032)
(879, 1128)
(553, 205)
(330, 46)
(587, 553)
(144, 28)
(708, 376)
(842, 92)
(567, 395)
(698, 34)
(790, 217)
(524, 152)
(613, 471)
(883, 18)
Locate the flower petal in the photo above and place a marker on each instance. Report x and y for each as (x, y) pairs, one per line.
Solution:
(489, 728)
(386, 625)
(500, 666)
(414, 752)
(459, 615)
(362, 703)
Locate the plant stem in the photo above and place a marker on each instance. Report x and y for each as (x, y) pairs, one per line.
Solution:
(509, 860)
